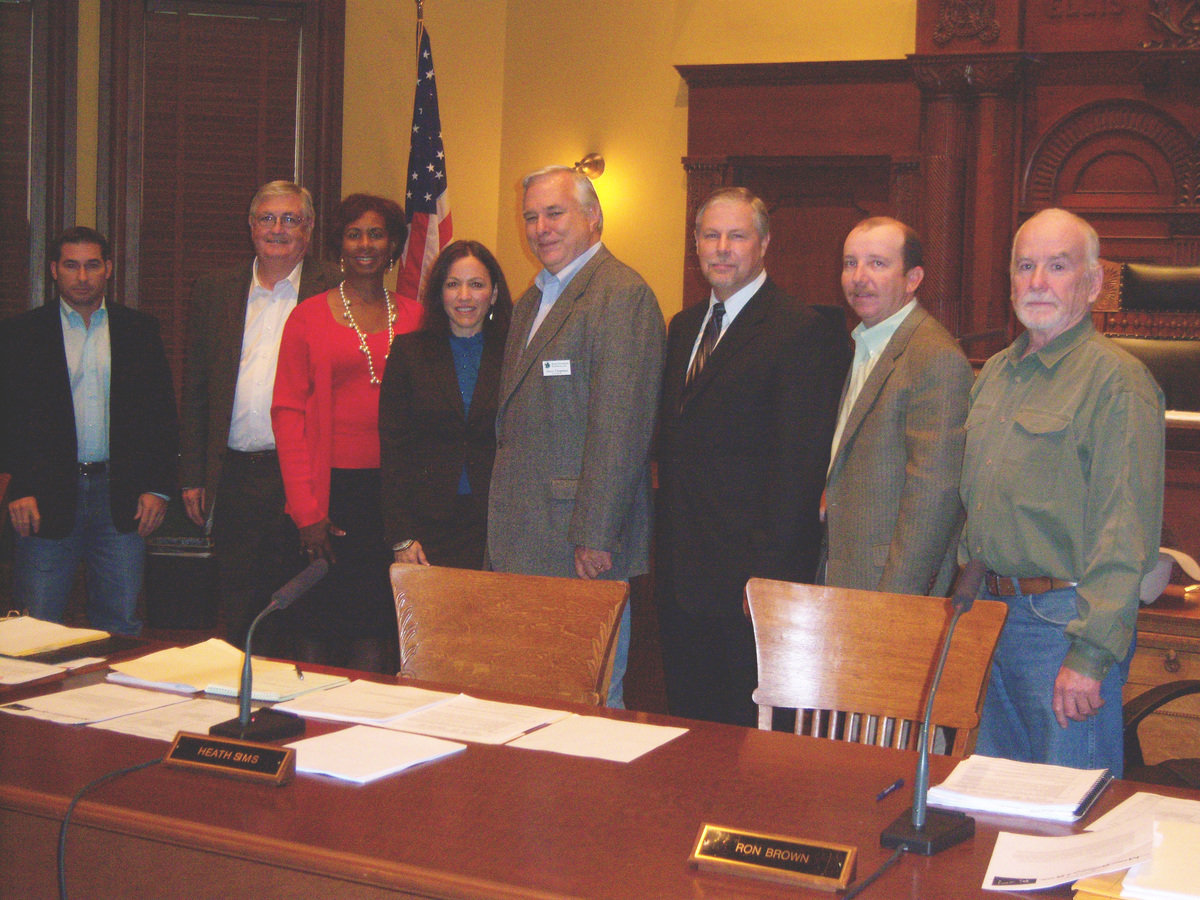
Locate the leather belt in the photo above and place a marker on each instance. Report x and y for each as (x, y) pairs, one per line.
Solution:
(93, 468)
(255, 456)
(1002, 585)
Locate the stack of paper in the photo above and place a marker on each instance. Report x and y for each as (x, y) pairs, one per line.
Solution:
(216, 667)
(1172, 872)
(19, 671)
(364, 702)
(1034, 790)
(94, 703)
(25, 636)
(362, 753)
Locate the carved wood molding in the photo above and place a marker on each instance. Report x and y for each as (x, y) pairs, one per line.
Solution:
(967, 75)
(1178, 29)
(1085, 123)
(966, 20)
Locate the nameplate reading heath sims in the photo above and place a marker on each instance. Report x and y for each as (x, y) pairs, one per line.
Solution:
(264, 763)
(829, 867)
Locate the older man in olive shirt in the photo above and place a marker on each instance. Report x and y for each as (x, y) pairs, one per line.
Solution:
(1062, 483)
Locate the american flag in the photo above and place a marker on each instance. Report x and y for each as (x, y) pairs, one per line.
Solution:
(426, 200)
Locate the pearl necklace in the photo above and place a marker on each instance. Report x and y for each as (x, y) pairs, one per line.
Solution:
(362, 338)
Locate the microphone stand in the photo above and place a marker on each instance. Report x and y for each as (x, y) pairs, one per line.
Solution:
(922, 830)
(267, 724)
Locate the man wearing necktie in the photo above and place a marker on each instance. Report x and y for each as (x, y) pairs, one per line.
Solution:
(745, 423)
(87, 414)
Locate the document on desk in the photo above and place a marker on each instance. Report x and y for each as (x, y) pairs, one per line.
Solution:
(1172, 872)
(362, 753)
(464, 718)
(1035, 790)
(1144, 807)
(215, 666)
(364, 702)
(599, 738)
(93, 703)
(25, 636)
(162, 724)
(1025, 862)
(20, 671)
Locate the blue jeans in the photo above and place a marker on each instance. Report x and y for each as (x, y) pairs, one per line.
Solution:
(1018, 720)
(616, 689)
(44, 568)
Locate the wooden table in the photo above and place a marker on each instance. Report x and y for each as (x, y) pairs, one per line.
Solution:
(487, 822)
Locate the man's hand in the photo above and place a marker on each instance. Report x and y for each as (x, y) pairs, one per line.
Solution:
(150, 511)
(195, 501)
(591, 563)
(1076, 697)
(314, 540)
(25, 517)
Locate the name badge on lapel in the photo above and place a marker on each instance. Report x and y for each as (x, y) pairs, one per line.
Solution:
(551, 367)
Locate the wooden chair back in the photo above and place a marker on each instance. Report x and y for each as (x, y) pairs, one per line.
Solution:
(857, 665)
(524, 634)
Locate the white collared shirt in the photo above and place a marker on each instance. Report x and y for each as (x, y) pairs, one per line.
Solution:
(733, 306)
(868, 345)
(266, 312)
(89, 366)
(552, 286)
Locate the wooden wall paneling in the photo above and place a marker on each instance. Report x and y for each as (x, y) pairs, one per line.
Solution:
(38, 41)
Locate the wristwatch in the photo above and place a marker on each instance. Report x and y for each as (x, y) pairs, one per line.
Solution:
(403, 545)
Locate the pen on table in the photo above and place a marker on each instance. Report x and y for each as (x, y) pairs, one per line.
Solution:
(299, 674)
(890, 789)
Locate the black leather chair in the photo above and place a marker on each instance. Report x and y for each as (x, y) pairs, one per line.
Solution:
(1177, 772)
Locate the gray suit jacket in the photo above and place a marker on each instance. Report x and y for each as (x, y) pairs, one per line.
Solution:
(893, 510)
(216, 321)
(574, 423)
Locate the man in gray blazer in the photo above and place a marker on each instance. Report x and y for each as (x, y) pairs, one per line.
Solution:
(229, 467)
(892, 508)
(570, 492)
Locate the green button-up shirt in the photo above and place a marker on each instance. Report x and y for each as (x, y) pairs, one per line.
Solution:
(1063, 476)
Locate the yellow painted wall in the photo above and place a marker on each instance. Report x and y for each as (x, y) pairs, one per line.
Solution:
(527, 83)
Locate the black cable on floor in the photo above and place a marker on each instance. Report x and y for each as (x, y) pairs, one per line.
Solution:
(62, 831)
(863, 885)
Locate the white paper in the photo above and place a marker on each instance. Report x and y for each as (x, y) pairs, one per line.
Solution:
(163, 723)
(20, 671)
(1143, 808)
(1006, 786)
(361, 753)
(1173, 871)
(364, 702)
(466, 718)
(93, 703)
(599, 738)
(1026, 862)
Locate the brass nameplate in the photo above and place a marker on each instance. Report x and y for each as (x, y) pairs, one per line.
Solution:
(774, 857)
(238, 759)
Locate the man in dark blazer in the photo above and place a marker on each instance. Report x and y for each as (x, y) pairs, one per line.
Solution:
(892, 506)
(87, 410)
(747, 413)
(230, 470)
(570, 492)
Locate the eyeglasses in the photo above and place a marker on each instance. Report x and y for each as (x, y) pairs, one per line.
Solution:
(287, 220)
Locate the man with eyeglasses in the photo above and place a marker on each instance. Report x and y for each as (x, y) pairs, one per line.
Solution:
(230, 471)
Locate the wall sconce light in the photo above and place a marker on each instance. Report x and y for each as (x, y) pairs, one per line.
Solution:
(591, 165)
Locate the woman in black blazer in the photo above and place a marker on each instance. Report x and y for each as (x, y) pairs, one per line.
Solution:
(437, 413)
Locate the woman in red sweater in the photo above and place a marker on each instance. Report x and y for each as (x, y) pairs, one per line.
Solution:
(325, 416)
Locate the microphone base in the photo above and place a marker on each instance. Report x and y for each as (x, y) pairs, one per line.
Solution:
(943, 828)
(265, 725)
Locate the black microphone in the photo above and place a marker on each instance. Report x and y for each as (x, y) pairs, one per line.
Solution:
(268, 724)
(922, 831)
